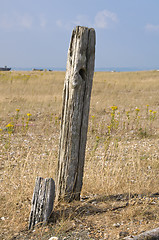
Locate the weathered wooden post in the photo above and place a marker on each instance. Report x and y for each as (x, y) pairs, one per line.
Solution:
(75, 112)
(42, 201)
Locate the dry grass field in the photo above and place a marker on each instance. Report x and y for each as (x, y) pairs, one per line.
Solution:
(120, 194)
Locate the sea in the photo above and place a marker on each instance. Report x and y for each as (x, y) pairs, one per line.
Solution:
(102, 69)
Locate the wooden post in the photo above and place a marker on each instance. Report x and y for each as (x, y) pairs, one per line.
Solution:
(148, 235)
(42, 201)
(75, 112)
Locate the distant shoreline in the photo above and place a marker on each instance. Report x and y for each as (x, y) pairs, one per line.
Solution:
(110, 69)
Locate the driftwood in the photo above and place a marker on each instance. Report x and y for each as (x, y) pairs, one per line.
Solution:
(42, 201)
(148, 235)
(75, 112)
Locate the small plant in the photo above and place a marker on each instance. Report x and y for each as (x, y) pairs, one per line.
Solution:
(56, 120)
(10, 128)
(154, 115)
(1, 130)
(137, 110)
(109, 130)
(114, 122)
(27, 122)
(17, 114)
(96, 143)
(136, 119)
(128, 118)
(29, 115)
(150, 115)
(142, 132)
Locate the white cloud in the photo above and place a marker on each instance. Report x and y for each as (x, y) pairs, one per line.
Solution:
(152, 28)
(64, 24)
(15, 20)
(104, 19)
(25, 21)
(18, 21)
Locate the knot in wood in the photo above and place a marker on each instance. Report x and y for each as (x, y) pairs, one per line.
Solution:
(78, 78)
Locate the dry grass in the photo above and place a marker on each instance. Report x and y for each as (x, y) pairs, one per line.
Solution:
(122, 148)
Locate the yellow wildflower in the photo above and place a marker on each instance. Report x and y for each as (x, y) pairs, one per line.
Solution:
(9, 125)
(97, 138)
(10, 128)
(28, 114)
(114, 108)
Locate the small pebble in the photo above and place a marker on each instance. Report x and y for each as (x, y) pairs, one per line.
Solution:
(123, 234)
(53, 238)
(116, 225)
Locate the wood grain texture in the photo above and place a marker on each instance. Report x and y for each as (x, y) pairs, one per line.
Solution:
(42, 201)
(75, 112)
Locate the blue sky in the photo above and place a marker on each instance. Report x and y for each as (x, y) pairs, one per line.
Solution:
(36, 33)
